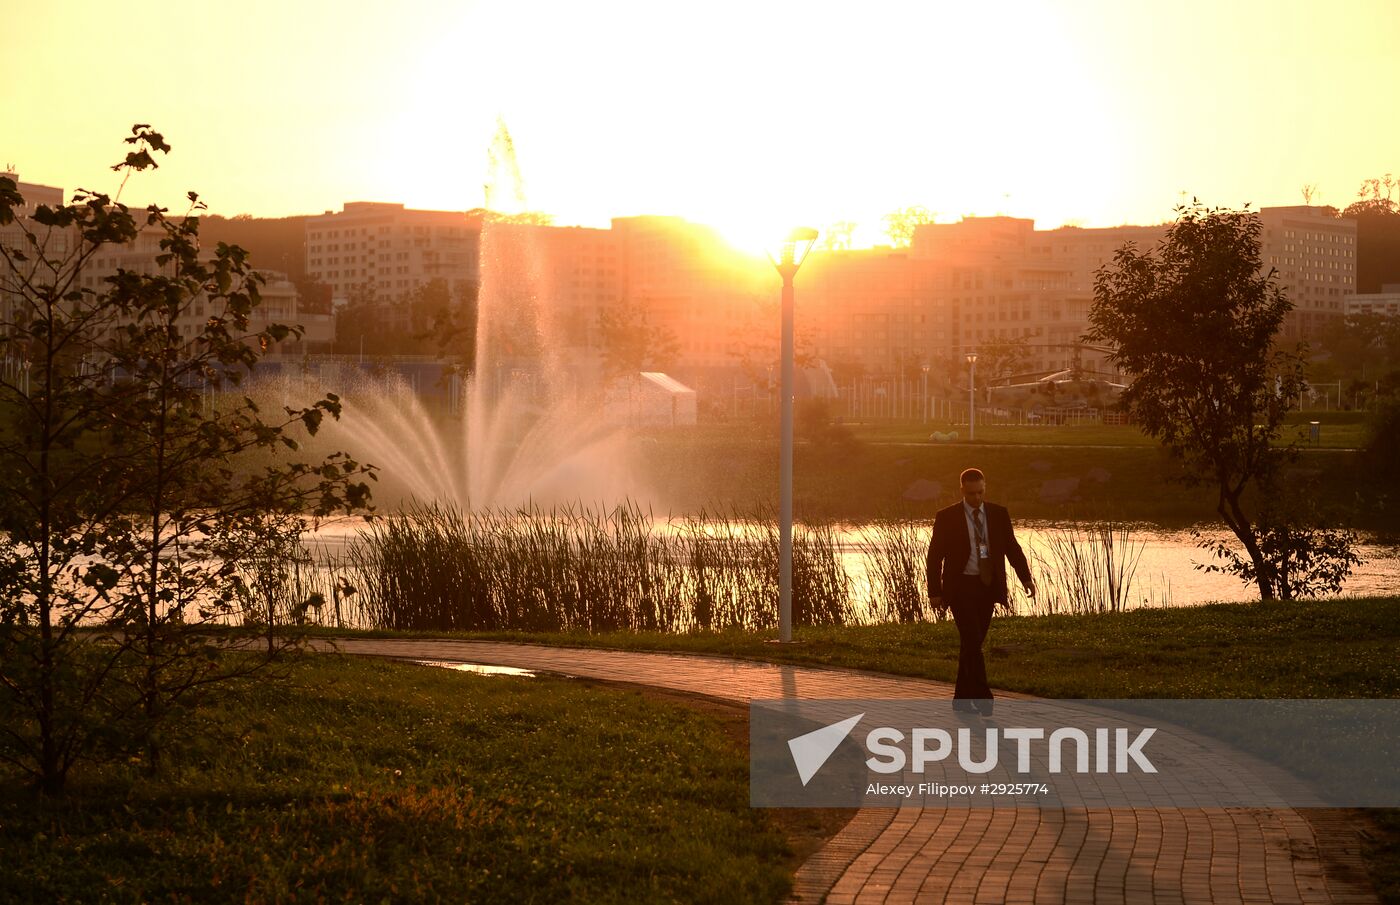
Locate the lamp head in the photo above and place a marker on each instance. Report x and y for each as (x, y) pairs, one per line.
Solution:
(792, 251)
(972, 358)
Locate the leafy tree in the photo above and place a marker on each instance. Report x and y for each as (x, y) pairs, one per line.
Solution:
(1382, 451)
(1363, 347)
(630, 343)
(839, 236)
(816, 423)
(999, 358)
(453, 327)
(128, 502)
(1377, 215)
(1194, 325)
(1308, 553)
(900, 224)
(429, 319)
(846, 371)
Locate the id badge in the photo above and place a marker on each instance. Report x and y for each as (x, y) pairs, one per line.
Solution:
(982, 551)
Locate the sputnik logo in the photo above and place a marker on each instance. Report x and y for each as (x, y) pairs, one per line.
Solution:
(812, 750)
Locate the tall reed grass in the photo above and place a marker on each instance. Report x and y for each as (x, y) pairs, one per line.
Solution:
(895, 557)
(439, 568)
(1084, 569)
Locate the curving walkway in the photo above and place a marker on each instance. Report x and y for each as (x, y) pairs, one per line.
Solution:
(985, 855)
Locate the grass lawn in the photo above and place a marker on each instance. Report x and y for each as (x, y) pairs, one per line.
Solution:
(376, 781)
(1325, 649)
(1341, 648)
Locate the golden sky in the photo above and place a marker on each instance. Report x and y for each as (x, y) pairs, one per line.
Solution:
(747, 114)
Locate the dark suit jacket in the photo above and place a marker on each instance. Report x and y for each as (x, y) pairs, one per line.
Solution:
(949, 548)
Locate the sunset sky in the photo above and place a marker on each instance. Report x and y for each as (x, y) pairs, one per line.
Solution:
(747, 115)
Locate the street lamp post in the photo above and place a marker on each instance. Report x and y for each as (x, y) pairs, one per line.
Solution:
(925, 394)
(972, 396)
(789, 258)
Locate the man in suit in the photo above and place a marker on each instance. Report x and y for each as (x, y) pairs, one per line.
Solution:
(972, 540)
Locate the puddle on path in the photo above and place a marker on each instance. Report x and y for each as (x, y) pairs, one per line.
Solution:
(481, 669)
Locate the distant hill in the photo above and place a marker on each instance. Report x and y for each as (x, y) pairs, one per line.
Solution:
(274, 244)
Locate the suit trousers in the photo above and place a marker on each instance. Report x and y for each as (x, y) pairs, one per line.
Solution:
(972, 603)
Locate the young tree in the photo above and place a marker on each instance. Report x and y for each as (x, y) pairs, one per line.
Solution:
(839, 236)
(900, 224)
(128, 500)
(1364, 346)
(999, 358)
(631, 343)
(1308, 559)
(1194, 325)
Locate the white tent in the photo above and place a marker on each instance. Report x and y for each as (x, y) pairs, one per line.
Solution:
(649, 398)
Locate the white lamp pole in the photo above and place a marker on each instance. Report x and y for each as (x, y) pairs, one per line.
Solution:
(925, 393)
(972, 396)
(791, 254)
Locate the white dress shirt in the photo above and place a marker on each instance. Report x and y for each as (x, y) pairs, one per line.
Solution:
(971, 567)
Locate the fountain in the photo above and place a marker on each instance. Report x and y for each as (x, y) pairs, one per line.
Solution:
(522, 431)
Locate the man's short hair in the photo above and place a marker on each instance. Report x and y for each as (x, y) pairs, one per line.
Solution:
(971, 474)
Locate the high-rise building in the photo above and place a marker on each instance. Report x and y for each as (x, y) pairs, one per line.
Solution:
(377, 252)
(715, 300)
(555, 280)
(1314, 252)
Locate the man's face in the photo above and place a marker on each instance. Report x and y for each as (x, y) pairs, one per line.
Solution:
(974, 492)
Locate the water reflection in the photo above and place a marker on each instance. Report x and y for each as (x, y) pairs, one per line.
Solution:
(1165, 574)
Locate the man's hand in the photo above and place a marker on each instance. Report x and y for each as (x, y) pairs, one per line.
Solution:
(1030, 587)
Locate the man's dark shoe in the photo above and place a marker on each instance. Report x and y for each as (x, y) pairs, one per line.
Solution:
(984, 706)
(963, 705)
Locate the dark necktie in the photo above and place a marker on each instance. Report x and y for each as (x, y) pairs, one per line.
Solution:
(984, 563)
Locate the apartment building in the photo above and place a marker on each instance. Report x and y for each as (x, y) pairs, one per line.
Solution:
(1314, 252)
(986, 280)
(1385, 303)
(279, 303)
(552, 279)
(34, 194)
(381, 252)
(959, 287)
(873, 309)
(997, 289)
(58, 242)
(720, 304)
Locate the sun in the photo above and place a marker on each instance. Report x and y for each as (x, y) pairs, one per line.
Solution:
(758, 234)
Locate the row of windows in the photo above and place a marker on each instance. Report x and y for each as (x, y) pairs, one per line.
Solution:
(350, 231)
(1333, 238)
(1318, 250)
(381, 259)
(382, 244)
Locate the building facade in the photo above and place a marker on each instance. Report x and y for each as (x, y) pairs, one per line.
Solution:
(984, 282)
(1385, 303)
(379, 252)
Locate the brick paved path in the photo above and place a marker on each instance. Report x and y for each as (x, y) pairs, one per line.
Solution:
(986, 855)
